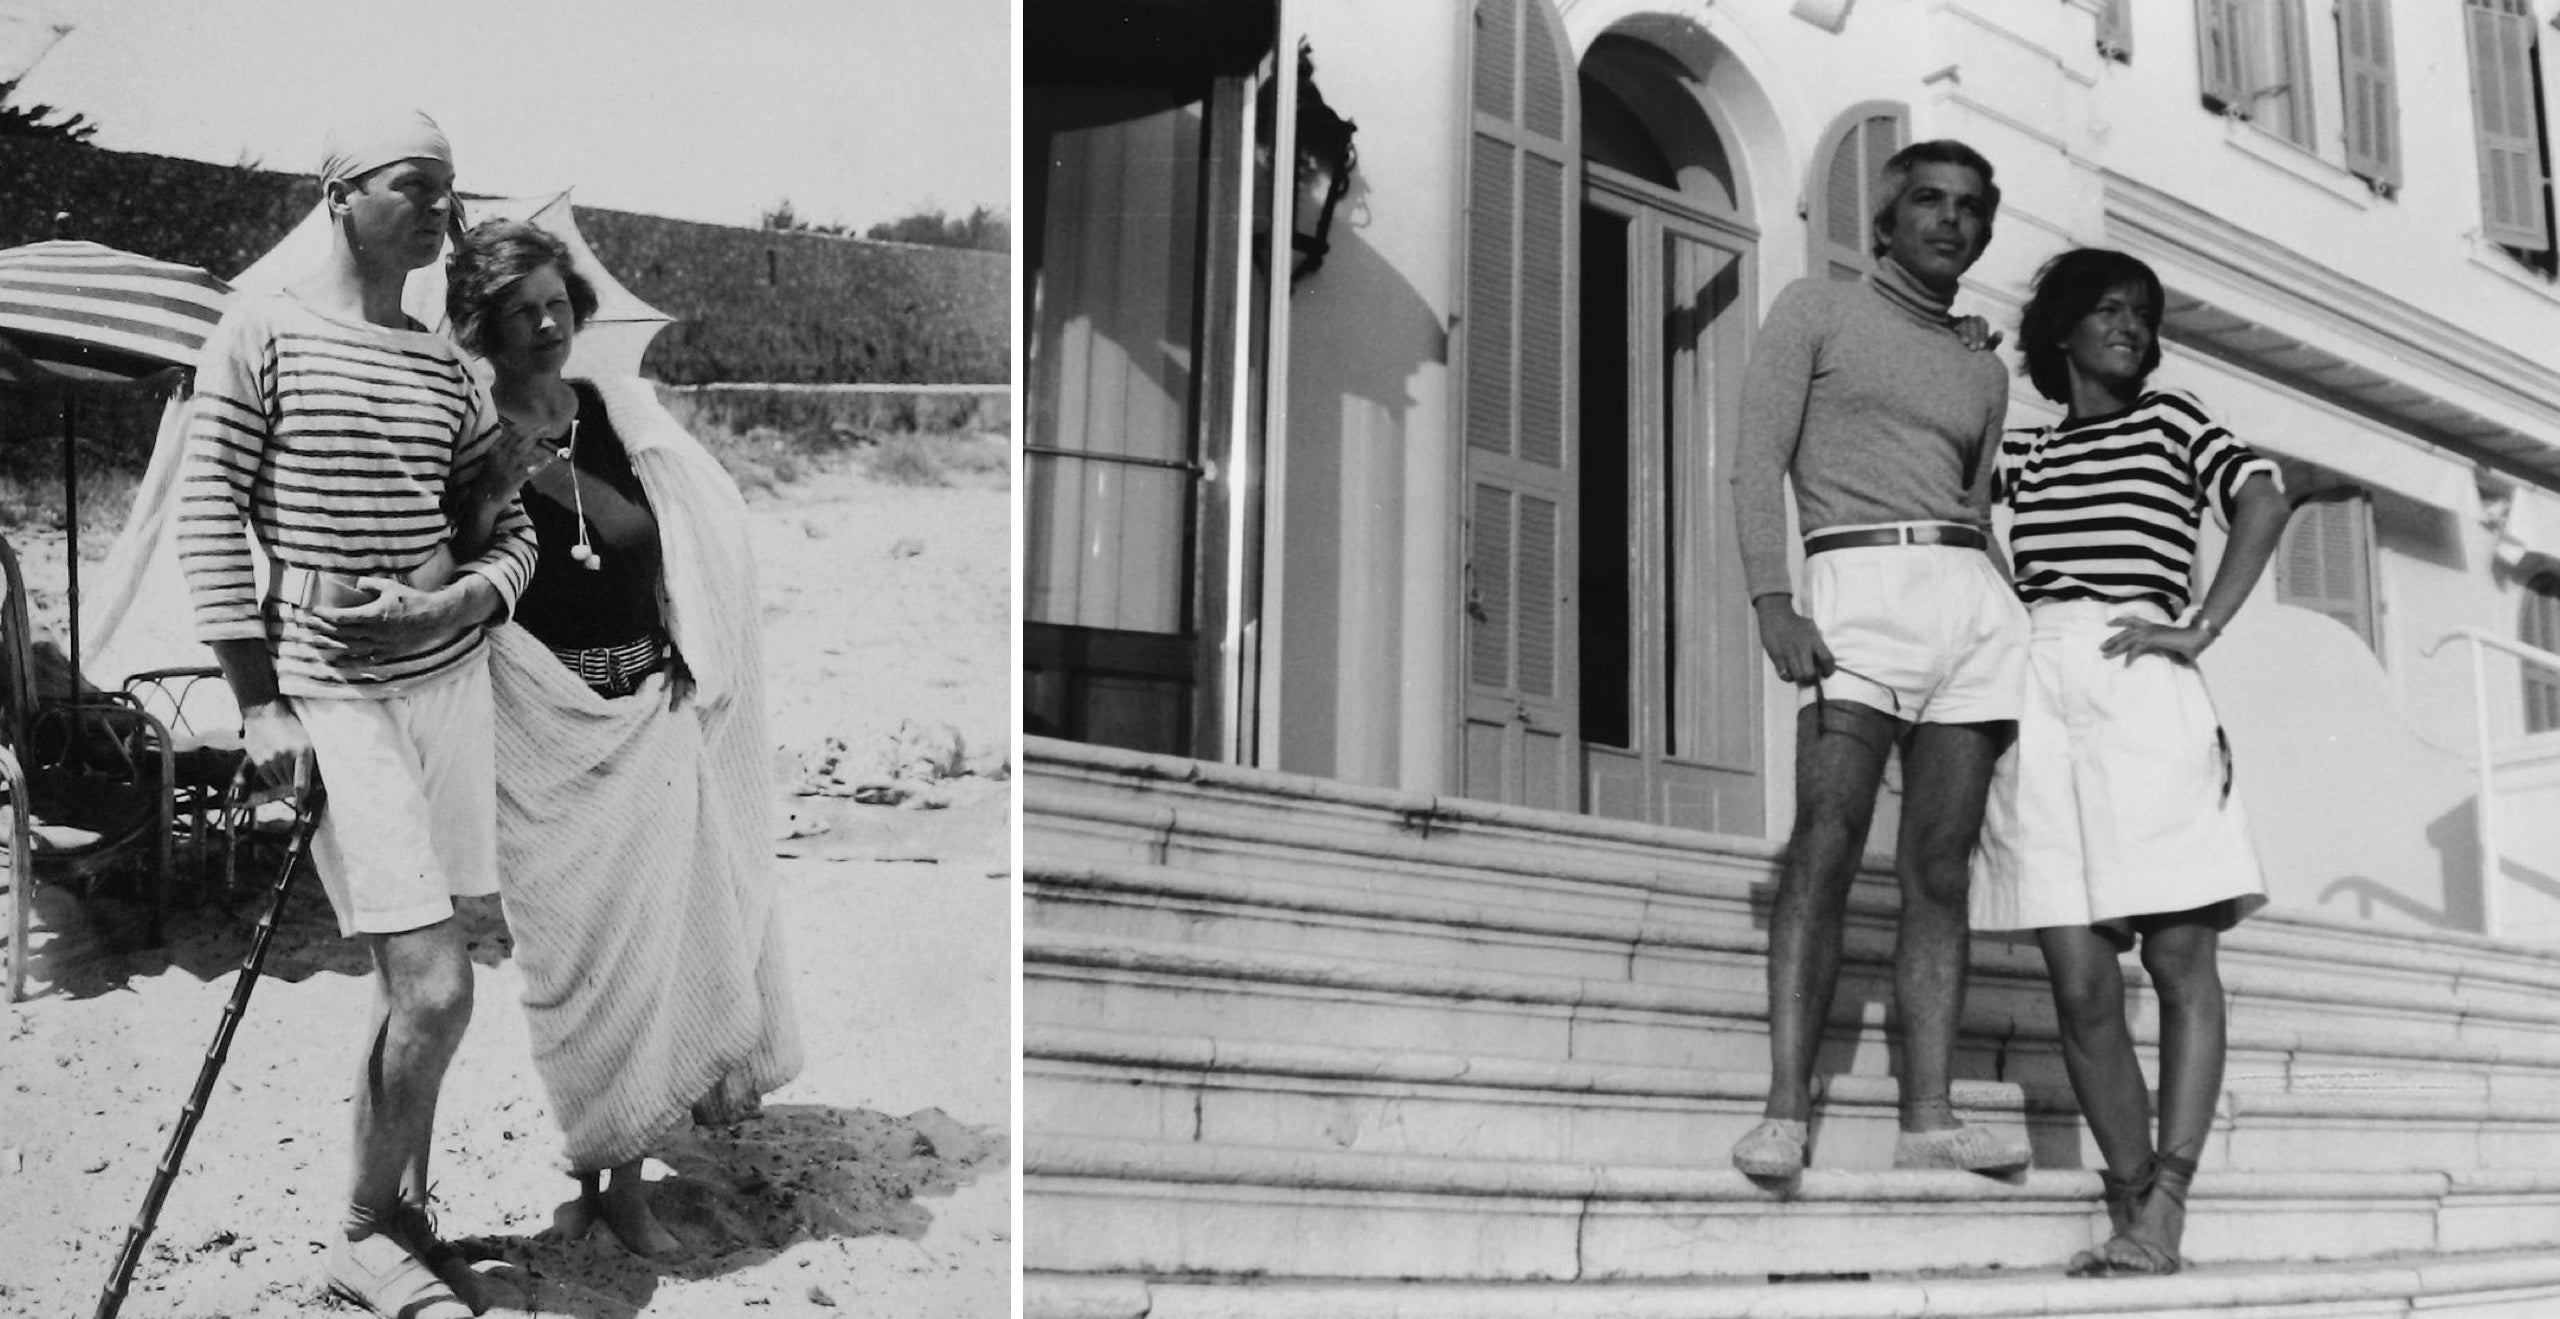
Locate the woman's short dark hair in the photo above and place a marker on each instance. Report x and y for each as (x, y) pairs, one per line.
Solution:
(2065, 290)
(489, 260)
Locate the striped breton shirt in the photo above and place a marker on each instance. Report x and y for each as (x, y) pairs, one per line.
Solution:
(332, 443)
(2107, 507)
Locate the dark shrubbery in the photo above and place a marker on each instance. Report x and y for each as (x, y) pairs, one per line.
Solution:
(749, 304)
(752, 305)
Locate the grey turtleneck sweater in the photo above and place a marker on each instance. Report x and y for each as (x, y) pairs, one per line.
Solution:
(1865, 396)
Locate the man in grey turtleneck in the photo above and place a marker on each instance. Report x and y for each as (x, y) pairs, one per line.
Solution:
(1868, 397)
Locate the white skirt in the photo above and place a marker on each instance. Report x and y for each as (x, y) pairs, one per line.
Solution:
(2118, 799)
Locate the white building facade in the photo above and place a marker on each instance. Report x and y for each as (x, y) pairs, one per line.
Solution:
(1449, 513)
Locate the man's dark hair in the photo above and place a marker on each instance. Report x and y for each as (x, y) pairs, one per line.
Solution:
(488, 261)
(1896, 176)
(2065, 290)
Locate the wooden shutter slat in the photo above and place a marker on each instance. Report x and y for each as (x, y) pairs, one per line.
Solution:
(2323, 564)
(1843, 190)
(1491, 190)
(2371, 90)
(1497, 57)
(2218, 55)
(1542, 75)
(1538, 553)
(2115, 30)
(1845, 201)
(1517, 334)
(2508, 123)
(1489, 556)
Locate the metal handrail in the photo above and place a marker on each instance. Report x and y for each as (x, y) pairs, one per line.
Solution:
(2493, 907)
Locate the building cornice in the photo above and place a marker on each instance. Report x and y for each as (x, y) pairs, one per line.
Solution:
(2254, 276)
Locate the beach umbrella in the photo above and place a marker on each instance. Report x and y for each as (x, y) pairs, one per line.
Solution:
(74, 313)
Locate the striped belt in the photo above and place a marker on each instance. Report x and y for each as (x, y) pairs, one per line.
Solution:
(1898, 533)
(615, 671)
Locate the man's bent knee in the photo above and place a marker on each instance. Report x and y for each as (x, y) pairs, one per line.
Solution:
(426, 977)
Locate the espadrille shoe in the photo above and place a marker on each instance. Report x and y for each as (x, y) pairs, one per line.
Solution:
(1775, 1148)
(1961, 1149)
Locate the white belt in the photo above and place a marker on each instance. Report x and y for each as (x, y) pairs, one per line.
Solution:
(309, 588)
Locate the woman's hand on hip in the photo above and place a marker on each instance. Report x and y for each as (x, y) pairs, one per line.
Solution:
(2136, 636)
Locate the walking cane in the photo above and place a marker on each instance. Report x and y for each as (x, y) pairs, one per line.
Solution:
(306, 815)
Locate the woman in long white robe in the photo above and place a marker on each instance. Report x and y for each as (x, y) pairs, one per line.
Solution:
(634, 831)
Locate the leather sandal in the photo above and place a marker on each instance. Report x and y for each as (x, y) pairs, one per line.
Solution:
(2132, 1255)
(2123, 1196)
(413, 1225)
(378, 1273)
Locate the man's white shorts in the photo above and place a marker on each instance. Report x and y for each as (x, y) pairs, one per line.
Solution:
(1925, 633)
(2117, 800)
(413, 800)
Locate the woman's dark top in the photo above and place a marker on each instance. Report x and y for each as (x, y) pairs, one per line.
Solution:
(570, 605)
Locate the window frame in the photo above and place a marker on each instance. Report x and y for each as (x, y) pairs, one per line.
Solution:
(2308, 509)
(2264, 52)
(2529, 238)
(2538, 624)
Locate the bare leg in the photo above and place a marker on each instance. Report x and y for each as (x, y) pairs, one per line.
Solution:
(2182, 958)
(423, 987)
(2097, 1046)
(1946, 772)
(1840, 757)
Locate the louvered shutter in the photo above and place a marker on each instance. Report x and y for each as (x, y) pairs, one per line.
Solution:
(2325, 563)
(1842, 209)
(2218, 55)
(2541, 628)
(2507, 119)
(1517, 326)
(2372, 98)
(2115, 30)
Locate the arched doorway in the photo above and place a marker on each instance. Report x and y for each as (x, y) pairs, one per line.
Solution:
(1669, 678)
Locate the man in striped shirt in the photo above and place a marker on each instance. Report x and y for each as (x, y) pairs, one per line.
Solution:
(327, 428)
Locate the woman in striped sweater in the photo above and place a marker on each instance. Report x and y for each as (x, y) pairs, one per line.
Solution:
(2112, 822)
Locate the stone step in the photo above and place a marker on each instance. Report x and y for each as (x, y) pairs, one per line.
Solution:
(1332, 1097)
(1678, 940)
(2514, 1284)
(1088, 806)
(1178, 1208)
(1115, 982)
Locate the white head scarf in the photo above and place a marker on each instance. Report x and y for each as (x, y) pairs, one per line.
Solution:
(359, 147)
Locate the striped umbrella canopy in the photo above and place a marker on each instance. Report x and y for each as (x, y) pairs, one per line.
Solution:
(82, 312)
(86, 311)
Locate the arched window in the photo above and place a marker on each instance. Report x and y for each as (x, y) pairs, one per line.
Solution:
(2541, 627)
(1840, 200)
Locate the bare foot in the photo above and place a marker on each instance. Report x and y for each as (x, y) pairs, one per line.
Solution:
(624, 1207)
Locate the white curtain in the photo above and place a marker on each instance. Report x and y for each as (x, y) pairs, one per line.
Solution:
(1111, 363)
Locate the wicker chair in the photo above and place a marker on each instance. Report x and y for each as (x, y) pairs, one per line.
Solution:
(88, 777)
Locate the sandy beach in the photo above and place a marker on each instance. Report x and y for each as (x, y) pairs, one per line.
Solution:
(875, 1183)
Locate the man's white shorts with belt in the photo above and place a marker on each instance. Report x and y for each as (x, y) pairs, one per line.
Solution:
(2117, 800)
(1926, 633)
(411, 822)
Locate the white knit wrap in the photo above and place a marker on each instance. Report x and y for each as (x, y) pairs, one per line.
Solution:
(635, 842)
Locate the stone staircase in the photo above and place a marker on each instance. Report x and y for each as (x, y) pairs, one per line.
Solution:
(1293, 1047)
